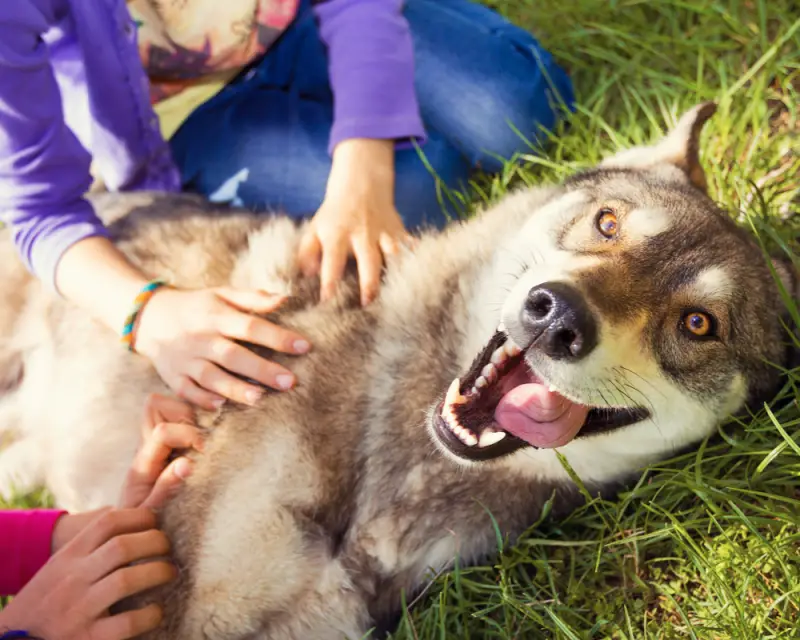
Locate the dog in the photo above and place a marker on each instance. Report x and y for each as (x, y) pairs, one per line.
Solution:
(622, 304)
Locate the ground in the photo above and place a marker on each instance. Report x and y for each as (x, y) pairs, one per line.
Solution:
(707, 545)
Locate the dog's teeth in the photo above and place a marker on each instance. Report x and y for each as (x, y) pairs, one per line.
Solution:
(468, 438)
(490, 373)
(501, 328)
(490, 437)
(511, 348)
(481, 383)
(454, 395)
(451, 421)
(499, 356)
(552, 389)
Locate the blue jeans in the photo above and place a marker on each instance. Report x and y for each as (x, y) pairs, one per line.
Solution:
(484, 86)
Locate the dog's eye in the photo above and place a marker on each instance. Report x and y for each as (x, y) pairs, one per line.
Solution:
(606, 222)
(699, 324)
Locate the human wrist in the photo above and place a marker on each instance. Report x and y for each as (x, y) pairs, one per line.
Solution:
(68, 526)
(362, 165)
(11, 628)
(147, 318)
(130, 328)
(94, 274)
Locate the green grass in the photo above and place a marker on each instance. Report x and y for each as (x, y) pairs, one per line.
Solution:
(706, 545)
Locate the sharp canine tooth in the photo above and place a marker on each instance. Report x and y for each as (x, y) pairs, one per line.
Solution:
(552, 389)
(511, 348)
(499, 356)
(468, 438)
(501, 328)
(490, 373)
(453, 395)
(490, 437)
(481, 383)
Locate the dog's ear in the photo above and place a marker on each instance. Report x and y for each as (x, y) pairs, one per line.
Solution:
(679, 148)
(790, 279)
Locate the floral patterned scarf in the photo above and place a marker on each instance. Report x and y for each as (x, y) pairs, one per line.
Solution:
(183, 41)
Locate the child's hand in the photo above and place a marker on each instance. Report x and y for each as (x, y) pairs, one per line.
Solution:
(189, 336)
(357, 217)
(168, 425)
(70, 597)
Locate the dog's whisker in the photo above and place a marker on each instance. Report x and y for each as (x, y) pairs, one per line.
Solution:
(647, 382)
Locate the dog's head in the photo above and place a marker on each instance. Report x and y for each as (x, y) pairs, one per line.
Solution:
(637, 317)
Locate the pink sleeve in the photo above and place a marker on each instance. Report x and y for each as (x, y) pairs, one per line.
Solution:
(25, 537)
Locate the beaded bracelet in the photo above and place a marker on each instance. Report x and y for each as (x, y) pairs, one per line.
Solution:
(141, 299)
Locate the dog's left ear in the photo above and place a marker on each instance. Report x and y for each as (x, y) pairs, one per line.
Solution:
(679, 148)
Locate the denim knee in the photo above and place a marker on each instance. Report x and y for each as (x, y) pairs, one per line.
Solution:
(492, 99)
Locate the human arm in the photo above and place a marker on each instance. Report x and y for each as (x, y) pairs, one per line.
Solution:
(44, 174)
(371, 64)
(25, 537)
(90, 567)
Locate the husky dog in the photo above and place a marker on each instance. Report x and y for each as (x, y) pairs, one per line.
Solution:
(621, 308)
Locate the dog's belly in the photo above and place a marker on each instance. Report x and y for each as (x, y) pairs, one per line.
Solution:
(257, 530)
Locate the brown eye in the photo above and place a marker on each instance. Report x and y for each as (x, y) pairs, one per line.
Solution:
(607, 222)
(699, 324)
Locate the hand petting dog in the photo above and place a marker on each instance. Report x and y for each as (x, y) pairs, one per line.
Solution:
(104, 556)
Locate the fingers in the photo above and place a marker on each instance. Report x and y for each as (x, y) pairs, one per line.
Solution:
(188, 389)
(247, 328)
(253, 301)
(128, 581)
(159, 408)
(308, 255)
(125, 549)
(370, 262)
(210, 376)
(170, 479)
(391, 245)
(244, 362)
(152, 457)
(130, 624)
(109, 524)
(334, 261)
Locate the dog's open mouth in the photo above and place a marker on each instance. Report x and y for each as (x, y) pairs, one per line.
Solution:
(501, 406)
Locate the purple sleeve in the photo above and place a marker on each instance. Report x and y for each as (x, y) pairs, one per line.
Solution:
(44, 170)
(25, 543)
(371, 70)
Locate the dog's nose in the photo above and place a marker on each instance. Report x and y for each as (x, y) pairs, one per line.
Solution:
(558, 321)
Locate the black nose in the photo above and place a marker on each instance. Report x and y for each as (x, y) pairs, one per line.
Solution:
(558, 322)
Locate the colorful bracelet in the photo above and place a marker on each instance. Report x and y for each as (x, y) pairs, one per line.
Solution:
(141, 299)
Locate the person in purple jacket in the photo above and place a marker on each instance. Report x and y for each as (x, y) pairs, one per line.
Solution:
(329, 118)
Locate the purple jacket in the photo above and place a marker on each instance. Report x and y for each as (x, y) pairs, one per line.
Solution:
(72, 87)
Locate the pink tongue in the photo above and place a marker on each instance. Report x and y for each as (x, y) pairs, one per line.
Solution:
(540, 417)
